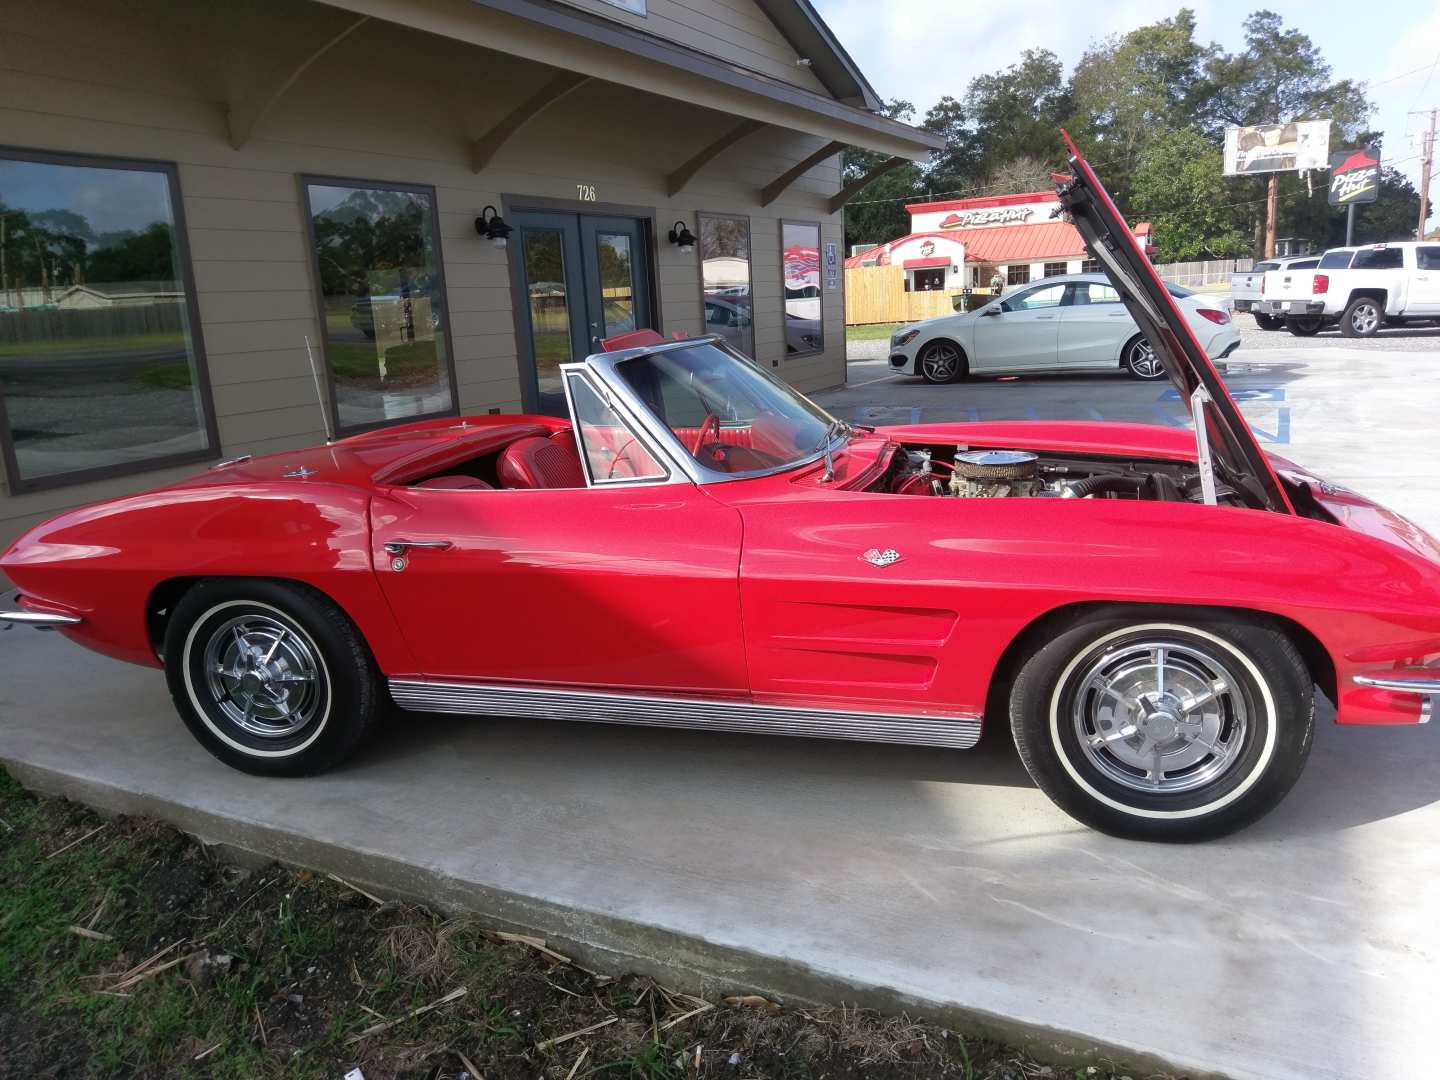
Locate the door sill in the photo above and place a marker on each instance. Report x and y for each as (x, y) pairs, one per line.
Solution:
(696, 714)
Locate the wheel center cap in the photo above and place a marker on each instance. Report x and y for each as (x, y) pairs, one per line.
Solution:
(252, 682)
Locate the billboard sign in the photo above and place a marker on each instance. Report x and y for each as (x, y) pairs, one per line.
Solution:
(1354, 176)
(1267, 148)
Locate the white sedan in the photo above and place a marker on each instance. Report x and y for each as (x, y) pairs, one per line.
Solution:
(1074, 322)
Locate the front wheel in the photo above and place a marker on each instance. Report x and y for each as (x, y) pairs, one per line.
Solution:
(1141, 360)
(271, 677)
(1269, 322)
(1304, 327)
(941, 362)
(1363, 318)
(1181, 727)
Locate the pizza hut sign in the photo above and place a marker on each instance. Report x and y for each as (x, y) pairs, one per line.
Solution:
(1000, 215)
(927, 249)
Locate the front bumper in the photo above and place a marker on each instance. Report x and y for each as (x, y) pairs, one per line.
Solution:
(902, 363)
(1281, 308)
(1419, 681)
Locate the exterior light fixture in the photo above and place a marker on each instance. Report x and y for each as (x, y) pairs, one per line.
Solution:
(492, 226)
(681, 236)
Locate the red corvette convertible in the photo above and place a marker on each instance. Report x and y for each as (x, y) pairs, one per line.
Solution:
(700, 546)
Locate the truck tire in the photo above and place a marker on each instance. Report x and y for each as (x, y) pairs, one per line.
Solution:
(1269, 322)
(1305, 327)
(1363, 318)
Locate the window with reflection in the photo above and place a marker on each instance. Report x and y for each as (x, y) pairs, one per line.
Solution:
(101, 367)
(613, 451)
(800, 273)
(725, 279)
(377, 259)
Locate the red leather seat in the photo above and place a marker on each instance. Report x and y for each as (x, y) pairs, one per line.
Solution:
(456, 482)
(538, 462)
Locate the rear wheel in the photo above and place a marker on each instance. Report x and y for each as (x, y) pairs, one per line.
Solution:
(1140, 359)
(1269, 322)
(941, 362)
(1183, 727)
(271, 677)
(1363, 318)
(1304, 327)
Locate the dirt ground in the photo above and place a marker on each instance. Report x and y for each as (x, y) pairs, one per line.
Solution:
(127, 950)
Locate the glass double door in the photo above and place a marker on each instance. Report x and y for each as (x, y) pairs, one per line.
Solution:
(585, 278)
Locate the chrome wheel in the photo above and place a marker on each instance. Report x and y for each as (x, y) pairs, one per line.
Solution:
(940, 362)
(1142, 361)
(1160, 717)
(1365, 319)
(263, 675)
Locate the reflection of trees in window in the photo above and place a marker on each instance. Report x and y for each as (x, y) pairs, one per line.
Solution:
(367, 238)
(57, 248)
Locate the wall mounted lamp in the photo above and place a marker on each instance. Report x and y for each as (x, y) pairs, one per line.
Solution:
(493, 227)
(681, 236)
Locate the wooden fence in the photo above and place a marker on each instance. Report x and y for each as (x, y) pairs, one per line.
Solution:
(876, 294)
(79, 324)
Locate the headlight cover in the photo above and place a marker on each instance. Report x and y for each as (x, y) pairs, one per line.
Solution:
(903, 337)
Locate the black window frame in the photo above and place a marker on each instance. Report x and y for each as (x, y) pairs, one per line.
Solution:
(1383, 257)
(331, 402)
(820, 255)
(749, 264)
(1012, 274)
(1090, 266)
(1424, 252)
(16, 484)
(1055, 273)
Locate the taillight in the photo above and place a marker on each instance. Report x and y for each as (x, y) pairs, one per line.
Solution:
(1215, 315)
(1320, 283)
(1262, 284)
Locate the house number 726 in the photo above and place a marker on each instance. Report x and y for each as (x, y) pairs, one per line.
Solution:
(585, 192)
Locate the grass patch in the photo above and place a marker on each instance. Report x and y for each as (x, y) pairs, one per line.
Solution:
(358, 364)
(174, 375)
(126, 950)
(871, 331)
(97, 344)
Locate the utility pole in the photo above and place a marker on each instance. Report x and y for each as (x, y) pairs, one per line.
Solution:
(1428, 151)
(1272, 192)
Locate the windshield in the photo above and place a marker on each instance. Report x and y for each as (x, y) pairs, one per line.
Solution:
(730, 415)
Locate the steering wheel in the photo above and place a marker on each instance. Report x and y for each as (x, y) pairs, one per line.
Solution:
(710, 421)
(619, 457)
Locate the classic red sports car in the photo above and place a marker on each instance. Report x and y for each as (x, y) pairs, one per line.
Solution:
(700, 546)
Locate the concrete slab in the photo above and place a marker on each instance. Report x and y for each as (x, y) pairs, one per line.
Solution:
(1304, 948)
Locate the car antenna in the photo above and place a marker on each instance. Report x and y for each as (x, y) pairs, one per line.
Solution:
(319, 395)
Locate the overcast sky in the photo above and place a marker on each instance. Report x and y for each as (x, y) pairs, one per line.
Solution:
(921, 50)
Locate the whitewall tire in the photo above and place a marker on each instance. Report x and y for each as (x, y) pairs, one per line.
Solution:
(1185, 726)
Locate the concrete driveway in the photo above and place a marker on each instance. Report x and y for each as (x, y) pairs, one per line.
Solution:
(1306, 947)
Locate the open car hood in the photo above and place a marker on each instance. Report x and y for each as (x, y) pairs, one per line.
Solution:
(1239, 462)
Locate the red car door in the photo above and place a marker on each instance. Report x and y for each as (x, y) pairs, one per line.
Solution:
(614, 587)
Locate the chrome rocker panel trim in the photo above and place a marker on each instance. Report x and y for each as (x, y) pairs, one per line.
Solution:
(698, 714)
(1401, 683)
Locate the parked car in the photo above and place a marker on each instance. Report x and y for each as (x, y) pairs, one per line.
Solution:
(1359, 288)
(1072, 322)
(700, 546)
(1245, 286)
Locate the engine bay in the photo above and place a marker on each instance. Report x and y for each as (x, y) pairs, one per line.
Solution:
(960, 472)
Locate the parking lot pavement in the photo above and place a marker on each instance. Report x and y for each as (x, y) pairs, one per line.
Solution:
(1359, 413)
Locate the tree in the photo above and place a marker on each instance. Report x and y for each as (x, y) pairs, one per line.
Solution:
(878, 213)
(1018, 112)
(1179, 186)
(1130, 87)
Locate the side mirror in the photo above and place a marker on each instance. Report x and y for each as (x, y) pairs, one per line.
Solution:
(991, 310)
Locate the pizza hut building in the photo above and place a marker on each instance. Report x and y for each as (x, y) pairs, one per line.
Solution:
(962, 243)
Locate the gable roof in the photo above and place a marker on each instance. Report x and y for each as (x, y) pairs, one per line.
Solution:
(812, 39)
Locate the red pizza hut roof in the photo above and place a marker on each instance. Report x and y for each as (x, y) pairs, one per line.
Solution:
(998, 244)
(985, 202)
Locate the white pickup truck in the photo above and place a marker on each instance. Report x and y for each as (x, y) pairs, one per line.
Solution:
(1245, 286)
(1361, 288)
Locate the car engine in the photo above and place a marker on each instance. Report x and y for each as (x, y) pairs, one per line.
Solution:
(993, 473)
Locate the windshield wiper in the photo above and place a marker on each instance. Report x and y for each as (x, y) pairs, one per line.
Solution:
(833, 430)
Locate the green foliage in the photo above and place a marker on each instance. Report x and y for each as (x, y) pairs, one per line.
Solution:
(1139, 104)
(1179, 187)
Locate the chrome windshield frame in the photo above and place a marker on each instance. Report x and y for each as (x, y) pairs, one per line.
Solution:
(604, 367)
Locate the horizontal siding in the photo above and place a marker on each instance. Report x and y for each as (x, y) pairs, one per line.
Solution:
(354, 114)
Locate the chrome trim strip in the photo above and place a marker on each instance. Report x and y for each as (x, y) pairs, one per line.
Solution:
(698, 714)
(1401, 683)
(41, 620)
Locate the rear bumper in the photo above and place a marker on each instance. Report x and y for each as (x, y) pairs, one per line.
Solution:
(1281, 308)
(1238, 304)
(14, 613)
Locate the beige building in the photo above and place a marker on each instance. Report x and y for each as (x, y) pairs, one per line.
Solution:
(225, 228)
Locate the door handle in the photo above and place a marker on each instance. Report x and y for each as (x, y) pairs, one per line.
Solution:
(1038, 317)
(400, 547)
